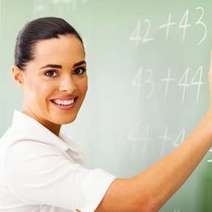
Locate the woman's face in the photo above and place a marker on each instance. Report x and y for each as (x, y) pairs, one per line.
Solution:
(55, 77)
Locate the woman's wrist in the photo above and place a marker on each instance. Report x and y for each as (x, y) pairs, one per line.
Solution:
(205, 126)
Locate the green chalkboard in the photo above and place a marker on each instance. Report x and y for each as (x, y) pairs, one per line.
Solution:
(148, 86)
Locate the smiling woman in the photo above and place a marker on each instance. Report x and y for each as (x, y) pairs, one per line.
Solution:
(50, 66)
(41, 169)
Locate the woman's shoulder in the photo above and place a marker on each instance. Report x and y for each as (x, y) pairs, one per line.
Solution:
(19, 145)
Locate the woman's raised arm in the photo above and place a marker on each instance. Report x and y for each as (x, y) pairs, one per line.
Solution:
(150, 189)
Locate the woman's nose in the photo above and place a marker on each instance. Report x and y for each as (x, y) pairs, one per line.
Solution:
(68, 84)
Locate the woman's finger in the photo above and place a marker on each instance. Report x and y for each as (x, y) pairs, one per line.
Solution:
(210, 81)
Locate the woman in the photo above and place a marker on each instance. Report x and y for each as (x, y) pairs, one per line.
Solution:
(40, 171)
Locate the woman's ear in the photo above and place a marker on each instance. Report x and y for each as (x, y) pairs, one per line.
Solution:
(17, 74)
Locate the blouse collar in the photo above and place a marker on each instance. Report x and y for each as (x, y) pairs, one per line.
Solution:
(32, 129)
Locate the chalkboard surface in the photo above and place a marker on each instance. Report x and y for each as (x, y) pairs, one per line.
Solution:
(148, 86)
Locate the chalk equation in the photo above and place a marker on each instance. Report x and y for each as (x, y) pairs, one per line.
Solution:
(191, 78)
(145, 135)
(41, 8)
(73, 4)
(177, 210)
(143, 31)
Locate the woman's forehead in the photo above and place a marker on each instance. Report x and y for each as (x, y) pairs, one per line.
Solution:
(64, 47)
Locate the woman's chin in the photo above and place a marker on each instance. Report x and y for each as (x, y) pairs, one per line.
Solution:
(65, 120)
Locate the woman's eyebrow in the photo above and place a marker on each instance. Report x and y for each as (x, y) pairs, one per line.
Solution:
(60, 66)
(79, 63)
(51, 66)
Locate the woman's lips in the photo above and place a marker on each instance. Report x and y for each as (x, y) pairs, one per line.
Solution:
(64, 104)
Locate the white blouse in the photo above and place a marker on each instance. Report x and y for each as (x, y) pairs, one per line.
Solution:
(42, 172)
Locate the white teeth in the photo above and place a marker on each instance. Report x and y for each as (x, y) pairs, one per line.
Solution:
(63, 102)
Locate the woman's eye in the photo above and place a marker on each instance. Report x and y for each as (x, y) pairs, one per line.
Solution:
(80, 70)
(50, 73)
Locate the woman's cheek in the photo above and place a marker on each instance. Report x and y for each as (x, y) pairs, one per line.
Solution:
(84, 86)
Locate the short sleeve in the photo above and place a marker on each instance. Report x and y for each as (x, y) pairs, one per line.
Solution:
(39, 174)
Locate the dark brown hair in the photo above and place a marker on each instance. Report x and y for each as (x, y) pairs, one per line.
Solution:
(39, 29)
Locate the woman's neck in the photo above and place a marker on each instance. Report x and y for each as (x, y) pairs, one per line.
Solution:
(54, 128)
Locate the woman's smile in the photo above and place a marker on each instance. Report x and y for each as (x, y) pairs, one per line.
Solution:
(64, 103)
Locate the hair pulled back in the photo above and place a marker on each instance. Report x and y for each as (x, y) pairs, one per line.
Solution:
(36, 30)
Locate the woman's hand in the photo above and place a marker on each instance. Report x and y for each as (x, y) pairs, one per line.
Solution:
(210, 83)
(206, 121)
